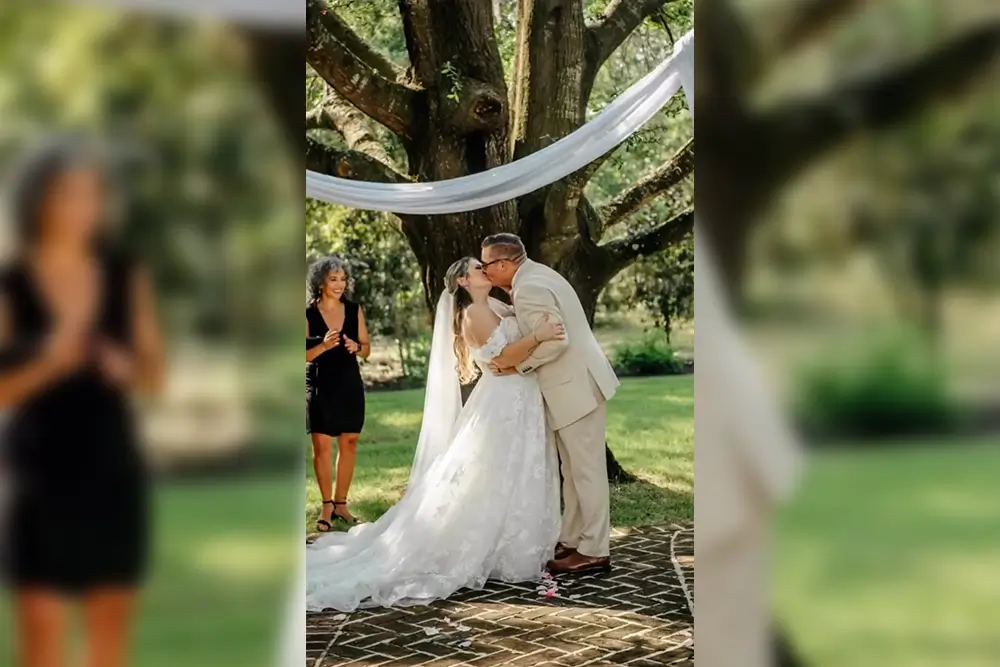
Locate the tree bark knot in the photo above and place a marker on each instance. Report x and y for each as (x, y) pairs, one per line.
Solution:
(480, 107)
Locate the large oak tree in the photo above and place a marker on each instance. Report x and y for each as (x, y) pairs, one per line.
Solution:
(453, 112)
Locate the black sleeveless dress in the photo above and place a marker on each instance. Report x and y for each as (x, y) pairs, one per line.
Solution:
(78, 518)
(335, 392)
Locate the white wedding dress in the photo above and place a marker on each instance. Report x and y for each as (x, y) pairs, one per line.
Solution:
(482, 502)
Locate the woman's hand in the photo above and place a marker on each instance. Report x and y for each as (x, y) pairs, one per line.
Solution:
(331, 339)
(66, 349)
(116, 363)
(547, 330)
(350, 345)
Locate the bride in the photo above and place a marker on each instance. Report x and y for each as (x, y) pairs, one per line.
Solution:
(483, 496)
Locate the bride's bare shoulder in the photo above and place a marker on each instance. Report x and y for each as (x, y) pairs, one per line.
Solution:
(478, 324)
(500, 308)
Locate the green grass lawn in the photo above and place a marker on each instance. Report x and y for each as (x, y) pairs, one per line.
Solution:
(650, 429)
(225, 553)
(890, 558)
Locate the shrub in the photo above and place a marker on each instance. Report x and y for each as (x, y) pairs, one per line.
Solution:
(893, 387)
(414, 355)
(651, 355)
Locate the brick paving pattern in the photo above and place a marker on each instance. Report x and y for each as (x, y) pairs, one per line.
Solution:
(638, 615)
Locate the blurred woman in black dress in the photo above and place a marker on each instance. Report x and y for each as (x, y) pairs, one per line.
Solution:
(335, 394)
(77, 333)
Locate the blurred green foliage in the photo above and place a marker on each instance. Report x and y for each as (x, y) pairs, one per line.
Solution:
(193, 143)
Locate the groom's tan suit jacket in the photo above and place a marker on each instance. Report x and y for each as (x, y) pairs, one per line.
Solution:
(574, 374)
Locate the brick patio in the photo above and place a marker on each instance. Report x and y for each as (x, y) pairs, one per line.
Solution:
(639, 615)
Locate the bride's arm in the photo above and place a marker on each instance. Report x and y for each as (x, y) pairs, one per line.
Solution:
(515, 353)
(480, 324)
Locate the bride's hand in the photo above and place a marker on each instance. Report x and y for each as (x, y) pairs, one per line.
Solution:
(547, 330)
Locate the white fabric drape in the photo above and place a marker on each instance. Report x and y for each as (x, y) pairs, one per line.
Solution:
(620, 119)
(281, 14)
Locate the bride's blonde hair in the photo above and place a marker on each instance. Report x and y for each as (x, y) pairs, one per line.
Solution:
(466, 367)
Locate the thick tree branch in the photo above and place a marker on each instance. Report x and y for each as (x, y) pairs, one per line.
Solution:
(385, 101)
(576, 182)
(809, 18)
(669, 174)
(343, 33)
(626, 250)
(418, 31)
(798, 133)
(348, 164)
(361, 167)
(620, 20)
(336, 113)
(551, 65)
(729, 64)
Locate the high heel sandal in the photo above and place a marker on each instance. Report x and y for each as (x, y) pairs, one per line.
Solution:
(322, 525)
(350, 520)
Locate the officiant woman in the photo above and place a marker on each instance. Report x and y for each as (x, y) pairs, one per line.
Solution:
(336, 336)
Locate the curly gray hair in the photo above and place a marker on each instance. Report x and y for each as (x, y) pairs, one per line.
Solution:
(318, 272)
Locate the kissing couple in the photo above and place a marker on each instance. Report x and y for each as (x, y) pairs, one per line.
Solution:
(483, 495)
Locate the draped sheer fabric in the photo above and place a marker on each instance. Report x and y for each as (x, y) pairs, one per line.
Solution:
(619, 120)
(281, 14)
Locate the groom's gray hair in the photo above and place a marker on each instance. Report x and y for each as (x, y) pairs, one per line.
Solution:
(510, 244)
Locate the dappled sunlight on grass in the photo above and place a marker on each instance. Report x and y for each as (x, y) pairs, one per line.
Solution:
(238, 559)
(958, 504)
(399, 420)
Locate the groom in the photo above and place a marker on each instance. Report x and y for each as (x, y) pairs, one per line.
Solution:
(576, 380)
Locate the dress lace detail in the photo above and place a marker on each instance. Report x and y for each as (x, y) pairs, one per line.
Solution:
(488, 508)
(505, 333)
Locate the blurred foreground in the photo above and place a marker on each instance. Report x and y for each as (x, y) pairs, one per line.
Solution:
(849, 186)
(217, 214)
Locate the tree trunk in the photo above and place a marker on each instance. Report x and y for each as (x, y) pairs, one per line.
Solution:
(617, 474)
(462, 130)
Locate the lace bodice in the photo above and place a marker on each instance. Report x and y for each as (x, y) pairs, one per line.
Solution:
(506, 333)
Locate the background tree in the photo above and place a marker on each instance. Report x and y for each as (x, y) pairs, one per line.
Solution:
(430, 91)
(755, 144)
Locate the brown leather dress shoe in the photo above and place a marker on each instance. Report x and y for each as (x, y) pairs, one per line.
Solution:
(562, 551)
(577, 563)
